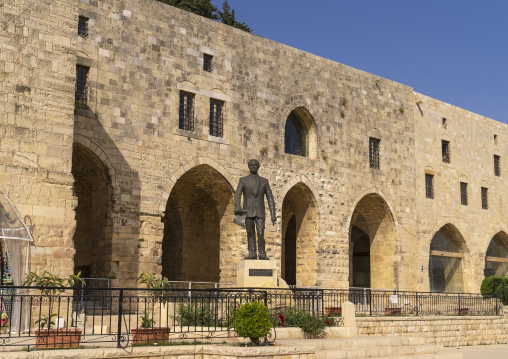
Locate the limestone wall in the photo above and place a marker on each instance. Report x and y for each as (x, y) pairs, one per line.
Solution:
(142, 53)
(37, 79)
(149, 192)
(448, 331)
(472, 147)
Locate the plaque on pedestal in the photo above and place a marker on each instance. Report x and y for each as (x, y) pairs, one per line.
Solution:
(257, 273)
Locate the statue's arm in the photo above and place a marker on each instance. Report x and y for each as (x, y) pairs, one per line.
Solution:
(238, 195)
(271, 202)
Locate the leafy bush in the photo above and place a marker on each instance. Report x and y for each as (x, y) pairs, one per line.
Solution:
(146, 321)
(252, 321)
(311, 325)
(196, 314)
(494, 286)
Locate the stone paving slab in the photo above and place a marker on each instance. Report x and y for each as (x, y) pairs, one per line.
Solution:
(495, 351)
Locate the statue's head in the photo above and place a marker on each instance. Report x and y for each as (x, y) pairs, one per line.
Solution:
(253, 165)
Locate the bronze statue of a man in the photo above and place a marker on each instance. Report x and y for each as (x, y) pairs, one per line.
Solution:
(254, 189)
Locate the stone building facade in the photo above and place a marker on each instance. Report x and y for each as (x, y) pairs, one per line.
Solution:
(124, 144)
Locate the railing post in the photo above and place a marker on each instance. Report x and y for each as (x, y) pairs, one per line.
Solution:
(120, 314)
(460, 312)
(416, 303)
(370, 302)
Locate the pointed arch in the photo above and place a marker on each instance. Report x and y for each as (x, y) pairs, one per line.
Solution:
(372, 238)
(93, 186)
(299, 232)
(447, 250)
(197, 223)
(496, 256)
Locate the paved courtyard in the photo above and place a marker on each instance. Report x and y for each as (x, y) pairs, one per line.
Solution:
(496, 351)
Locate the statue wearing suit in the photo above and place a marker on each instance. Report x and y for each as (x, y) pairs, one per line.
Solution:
(254, 188)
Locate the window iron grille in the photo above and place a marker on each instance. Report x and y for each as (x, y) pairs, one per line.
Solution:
(207, 63)
(216, 118)
(83, 27)
(186, 111)
(445, 149)
(497, 165)
(81, 93)
(463, 193)
(485, 198)
(374, 153)
(429, 186)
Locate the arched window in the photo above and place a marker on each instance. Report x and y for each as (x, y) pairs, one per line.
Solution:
(496, 259)
(445, 263)
(296, 140)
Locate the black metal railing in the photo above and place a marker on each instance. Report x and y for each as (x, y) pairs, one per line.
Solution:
(114, 315)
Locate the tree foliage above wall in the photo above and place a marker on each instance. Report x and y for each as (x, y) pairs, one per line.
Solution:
(207, 9)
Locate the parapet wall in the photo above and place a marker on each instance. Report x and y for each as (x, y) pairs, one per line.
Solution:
(448, 331)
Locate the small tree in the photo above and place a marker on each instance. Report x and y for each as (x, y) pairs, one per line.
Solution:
(253, 321)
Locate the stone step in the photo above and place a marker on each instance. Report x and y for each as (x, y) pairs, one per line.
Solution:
(355, 343)
(373, 347)
(388, 352)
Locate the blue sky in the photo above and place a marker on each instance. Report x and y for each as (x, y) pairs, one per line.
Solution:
(455, 51)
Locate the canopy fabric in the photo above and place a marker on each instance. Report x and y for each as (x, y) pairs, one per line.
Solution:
(17, 237)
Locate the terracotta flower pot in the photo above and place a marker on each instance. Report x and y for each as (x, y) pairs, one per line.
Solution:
(57, 338)
(393, 311)
(333, 310)
(462, 311)
(149, 335)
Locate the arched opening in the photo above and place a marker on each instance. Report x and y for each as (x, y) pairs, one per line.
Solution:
(360, 261)
(445, 261)
(299, 232)
(372, 245)
(198, 214)
(93, 235)
(496, 258)
(299, 134)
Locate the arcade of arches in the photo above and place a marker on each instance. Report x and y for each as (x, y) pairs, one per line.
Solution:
(93, 235)
(198, 229)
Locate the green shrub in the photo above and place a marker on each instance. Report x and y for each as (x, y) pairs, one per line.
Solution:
(493, 287)
(252, 321)
(311, 325)
(196, 314)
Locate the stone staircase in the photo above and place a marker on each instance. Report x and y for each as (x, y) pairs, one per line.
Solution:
(372, 347)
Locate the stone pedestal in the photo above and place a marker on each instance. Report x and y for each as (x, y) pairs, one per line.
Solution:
(257, 273)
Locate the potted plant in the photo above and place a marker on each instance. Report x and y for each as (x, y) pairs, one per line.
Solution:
(333, 310)
(147, 333)
(461, 311)
(55, 338)
(52, 286)
(393, 311)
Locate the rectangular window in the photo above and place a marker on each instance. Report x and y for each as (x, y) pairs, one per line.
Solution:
(81, 93)
(83, 27)
(374, 153)
(463, 193)
(485, 199)
(216, 117)
(429, 186)
(445, 150)
(186, 111)
(445, 124)
(497, 165)
(207, 63)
